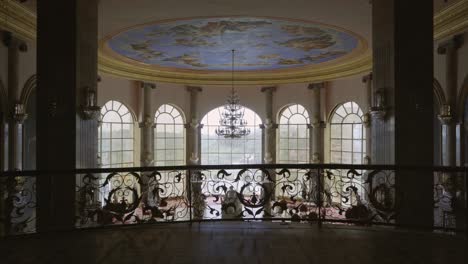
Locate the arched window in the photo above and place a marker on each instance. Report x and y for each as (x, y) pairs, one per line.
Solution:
(347, 135)
(169, 137)
(216, 150)
(293, 137)
(116, 136)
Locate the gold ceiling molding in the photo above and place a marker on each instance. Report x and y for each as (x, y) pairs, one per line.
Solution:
(21, 21)
(18, 19)
(451, 20)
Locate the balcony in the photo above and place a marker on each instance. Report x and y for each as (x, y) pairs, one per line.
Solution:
(348, 195)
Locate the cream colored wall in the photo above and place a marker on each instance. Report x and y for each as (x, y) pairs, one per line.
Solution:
(129, 93)
(27, 64)
(439, 63)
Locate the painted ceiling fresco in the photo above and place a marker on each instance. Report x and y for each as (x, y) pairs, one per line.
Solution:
(260, 43)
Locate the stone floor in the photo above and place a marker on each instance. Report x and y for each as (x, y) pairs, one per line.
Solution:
(232, 242)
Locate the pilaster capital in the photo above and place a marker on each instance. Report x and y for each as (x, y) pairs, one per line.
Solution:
(11, 41)
(317, 124)
(193, 89)
(318, 85)
(453, 43)
(367, 78)
(269, 89)
(269, 124)
(147, 85)
(194, 124)
(147, 121)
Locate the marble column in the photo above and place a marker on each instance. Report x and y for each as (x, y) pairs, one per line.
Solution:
(17, 111)
(367, 80)
(193, 128)
(402, 113)
(269, 128)
(15, 117)
(448, 115)
(147, 127)
(317, 125)
(147, 143)
(67, 126)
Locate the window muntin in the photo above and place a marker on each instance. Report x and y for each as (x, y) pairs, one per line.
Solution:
(293, 145)
(216, 150)
(169, 137)
(116, 136)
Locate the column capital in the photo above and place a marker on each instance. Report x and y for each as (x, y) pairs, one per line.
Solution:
(147, 121)
(194, 89)
(147, 85)
(367, 78)
(194, 124)
(317, 124)
(270, 89)
(11, 41)
(453, 43)
(318, 85)
(268, 125)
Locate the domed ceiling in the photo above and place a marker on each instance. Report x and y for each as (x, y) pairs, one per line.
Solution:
(261, 43)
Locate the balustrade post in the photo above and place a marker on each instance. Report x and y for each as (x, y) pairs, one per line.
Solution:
(189, 194)
(466, 201)
(319, 196)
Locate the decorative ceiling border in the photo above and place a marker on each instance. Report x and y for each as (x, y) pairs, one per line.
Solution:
(16, 18)
(449, 21)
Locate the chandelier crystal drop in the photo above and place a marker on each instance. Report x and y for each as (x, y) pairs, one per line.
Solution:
(232, 123)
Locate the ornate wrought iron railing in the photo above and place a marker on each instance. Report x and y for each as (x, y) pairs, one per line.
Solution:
(349, 194)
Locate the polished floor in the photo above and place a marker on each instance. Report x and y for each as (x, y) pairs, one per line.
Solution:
(232, 242)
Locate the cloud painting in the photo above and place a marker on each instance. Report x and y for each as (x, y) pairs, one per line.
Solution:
(260, 43)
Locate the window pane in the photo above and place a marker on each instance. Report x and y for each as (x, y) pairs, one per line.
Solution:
(357, 131)
(128, 156)
(357, 146)
(347, 131)
(116, 130)
(347, 158)
(127, 131)
(116, 145)
(128, 144)
(336, 131)
(335, 145)
(347, 145)
(105, 145)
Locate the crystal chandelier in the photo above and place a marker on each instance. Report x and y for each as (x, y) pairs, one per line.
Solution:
(232, 123)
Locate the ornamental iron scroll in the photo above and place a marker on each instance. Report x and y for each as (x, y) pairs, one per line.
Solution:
(131, 198)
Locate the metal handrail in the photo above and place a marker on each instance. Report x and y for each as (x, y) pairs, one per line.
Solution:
(237, 167)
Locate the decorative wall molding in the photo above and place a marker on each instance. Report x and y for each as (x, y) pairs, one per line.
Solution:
(18, 19)
(450, 21)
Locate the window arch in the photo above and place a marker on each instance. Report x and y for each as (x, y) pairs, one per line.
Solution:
(347, 134)
(293, 137)
(116, 136)
(217, 150)
(169, 136)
